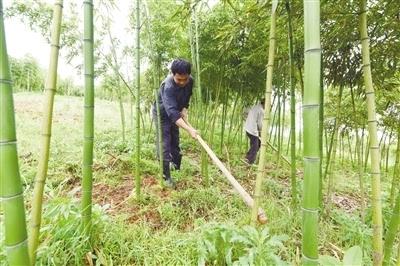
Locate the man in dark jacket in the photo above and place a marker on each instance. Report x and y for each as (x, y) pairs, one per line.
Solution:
(174, 96)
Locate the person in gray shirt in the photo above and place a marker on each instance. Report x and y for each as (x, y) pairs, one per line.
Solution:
(253, 126)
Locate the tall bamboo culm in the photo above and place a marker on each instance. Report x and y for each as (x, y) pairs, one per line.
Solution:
(311, 110)
(88, 131)
(137, 117)
(50, 90)
(157, 121)
(373, 139)
(11, 193)
(266, 119)
(292, 109)
(392, 231)
(396, 170)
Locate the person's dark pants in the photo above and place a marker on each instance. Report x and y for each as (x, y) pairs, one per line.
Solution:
(255, 144)
(170, 145)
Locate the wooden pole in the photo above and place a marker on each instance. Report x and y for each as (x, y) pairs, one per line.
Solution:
(262, 218)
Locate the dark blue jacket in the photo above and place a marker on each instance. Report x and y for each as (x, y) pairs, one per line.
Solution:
(173, 98)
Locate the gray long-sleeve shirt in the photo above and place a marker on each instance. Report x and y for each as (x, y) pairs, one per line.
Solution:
(173, 98)
(253, 124)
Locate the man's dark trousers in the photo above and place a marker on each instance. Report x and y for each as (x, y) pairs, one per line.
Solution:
(255, 144)
(170, 146)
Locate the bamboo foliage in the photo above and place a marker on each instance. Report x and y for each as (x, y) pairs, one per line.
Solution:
(373, 139)
(11, 193)
(88, 131)
(50, 90)
(266, 119)
(311, 110)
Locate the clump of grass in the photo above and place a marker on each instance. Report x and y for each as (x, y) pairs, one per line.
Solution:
(229, 245)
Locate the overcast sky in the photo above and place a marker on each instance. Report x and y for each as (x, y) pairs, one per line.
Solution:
(21, 40)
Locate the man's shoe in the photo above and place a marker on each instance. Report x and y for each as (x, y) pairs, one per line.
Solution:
(170, 183)
(173, 166)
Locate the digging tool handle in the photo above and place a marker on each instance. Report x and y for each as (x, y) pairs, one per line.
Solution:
(245, 196)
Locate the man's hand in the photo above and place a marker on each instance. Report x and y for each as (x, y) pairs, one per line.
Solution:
(186, 126)
(193, 133)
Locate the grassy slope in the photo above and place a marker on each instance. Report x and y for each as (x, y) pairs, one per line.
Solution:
(163, 228)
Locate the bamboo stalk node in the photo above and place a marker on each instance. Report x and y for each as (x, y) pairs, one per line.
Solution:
(6, 81)
(309, 259)
(2, 199)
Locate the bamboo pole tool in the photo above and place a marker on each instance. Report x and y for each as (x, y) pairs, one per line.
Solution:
(262, 218)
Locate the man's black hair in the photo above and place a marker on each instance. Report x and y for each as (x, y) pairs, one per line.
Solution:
(181, 66)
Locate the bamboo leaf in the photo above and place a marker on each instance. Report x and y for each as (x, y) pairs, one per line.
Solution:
(329, 261)
(353, 256)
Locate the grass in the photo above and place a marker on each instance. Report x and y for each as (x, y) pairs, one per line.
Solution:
(166, 227)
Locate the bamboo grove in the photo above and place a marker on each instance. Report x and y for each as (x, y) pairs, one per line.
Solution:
(329, 74)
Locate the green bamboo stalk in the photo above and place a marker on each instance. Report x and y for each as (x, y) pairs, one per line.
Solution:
(278, 126)
(116, 67)
(341, 138)
(387, 154)
(396, 170)
(331, 160)
(283, 121)
(273, 124)
(359, 160)
(311, 111)
(196, 27)
(277, 121)
(155, 86)
(366, 154)
(398, 255)
(50, 90)
(266, 119)
(11, 193)
(374, 146)
(204, 157)
(223, 119)
(321, 135)
(292, 82)
(392, 231)
(333, 142)
(382, 155)
(88, 130)
(137, 146)
(349, 141)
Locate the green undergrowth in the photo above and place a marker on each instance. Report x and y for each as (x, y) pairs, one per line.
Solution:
(195, 224)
